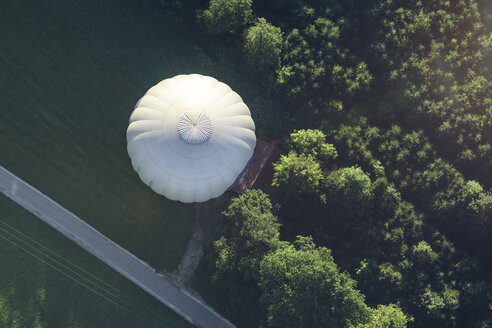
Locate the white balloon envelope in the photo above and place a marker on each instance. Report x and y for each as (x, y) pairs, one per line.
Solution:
(190, 137)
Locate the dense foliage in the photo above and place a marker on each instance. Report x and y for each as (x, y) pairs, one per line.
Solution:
(395, 251)
(302, 287)
(263, 44)
(387, 176)
(227, 16)
(288, 284)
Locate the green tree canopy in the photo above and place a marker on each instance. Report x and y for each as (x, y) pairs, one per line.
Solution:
(263, 44)
(250, 231)
(317, 71)
(411, 224)
(297, 174)
(302, 287)
(386, 316)
(352, 185)
(227, 16)
(312, 142)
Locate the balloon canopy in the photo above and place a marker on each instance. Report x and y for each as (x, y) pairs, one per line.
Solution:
(190, 137)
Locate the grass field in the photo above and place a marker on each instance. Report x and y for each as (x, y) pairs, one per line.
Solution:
(72, 72)
(48, 281)
(66, 93)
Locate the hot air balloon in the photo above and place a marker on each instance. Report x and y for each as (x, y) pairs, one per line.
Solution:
(190, 138)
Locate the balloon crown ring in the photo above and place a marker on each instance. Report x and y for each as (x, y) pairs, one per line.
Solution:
(194, 127)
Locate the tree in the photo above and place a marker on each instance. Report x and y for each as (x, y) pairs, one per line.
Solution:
(352, 188)
(263, 44)
(317, 72)
(302, 287)
(250, 230)
(297, 174)
(355, 143)
(386, 316)
(227, 16)
(312, 142)
(386, 198)
(424, 255)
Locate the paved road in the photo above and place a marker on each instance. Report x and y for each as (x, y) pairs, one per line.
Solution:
(109, 252)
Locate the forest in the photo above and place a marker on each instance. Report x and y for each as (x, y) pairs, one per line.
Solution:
(384, 215)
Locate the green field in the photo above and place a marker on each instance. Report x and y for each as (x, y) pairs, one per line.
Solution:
(72, 72)
(70, 79)
(48, 281)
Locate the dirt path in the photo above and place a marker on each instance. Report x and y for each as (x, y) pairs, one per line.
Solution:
(207, 219)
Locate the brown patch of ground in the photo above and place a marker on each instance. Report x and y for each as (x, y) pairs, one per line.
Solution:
(260, 171)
